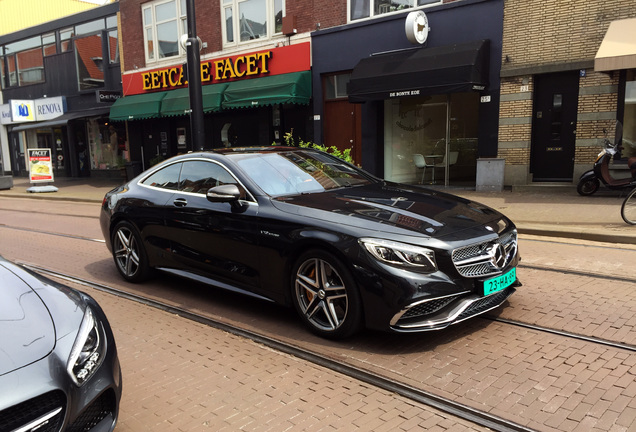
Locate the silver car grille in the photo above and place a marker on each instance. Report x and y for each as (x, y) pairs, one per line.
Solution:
(487, 258)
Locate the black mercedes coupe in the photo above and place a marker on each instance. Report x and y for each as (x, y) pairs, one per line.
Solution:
(300, 227)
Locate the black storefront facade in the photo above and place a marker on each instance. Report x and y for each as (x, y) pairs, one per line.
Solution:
(414, 112)
(250, 99)
(73, 60)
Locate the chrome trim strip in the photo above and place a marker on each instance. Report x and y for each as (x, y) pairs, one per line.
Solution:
(399, 315)
(450, 317)
(39, 422)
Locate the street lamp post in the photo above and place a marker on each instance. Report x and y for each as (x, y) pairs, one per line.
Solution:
(194, 80)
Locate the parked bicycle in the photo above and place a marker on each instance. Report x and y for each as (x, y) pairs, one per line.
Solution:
(628, 209)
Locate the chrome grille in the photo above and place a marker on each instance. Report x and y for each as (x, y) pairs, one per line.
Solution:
(487, 258)
(428, 307)
(486, 303)
(102, 407)
(49, 406)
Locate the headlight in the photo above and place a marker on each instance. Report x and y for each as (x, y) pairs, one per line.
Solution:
(401, 255)
(88, 350)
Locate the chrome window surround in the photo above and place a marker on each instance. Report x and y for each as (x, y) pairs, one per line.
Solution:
(249, 197)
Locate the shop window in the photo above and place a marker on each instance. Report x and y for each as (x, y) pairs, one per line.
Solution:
(336, 86)
(359, 9)
(107, 144)
(164, 22)
(250, 20)
(629, 122)
(441, 130)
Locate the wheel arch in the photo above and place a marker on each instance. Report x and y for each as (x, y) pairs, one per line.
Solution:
(317, 240)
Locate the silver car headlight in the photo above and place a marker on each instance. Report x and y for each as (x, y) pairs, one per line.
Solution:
(401, 254)
(88, 350)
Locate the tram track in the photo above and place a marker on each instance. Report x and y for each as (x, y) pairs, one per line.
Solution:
(451, 407)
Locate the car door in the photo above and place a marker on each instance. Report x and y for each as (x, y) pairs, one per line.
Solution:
(216, 240)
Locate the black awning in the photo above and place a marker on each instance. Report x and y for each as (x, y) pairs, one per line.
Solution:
(421, 71)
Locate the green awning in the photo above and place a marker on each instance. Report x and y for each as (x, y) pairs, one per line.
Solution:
(276, 89)
(177, 102)
(137, 107)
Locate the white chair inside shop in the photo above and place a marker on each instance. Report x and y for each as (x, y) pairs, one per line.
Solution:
(452, 160)
(420, 162)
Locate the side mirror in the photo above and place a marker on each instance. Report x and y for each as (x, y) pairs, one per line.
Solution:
(224, 193)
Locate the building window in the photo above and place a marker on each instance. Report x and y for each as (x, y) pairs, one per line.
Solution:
(164, 22)
(25, 62)
(90, 62)
(66, 36)
(48, 44)
(249, 20)
(336, 86)
(359, 9)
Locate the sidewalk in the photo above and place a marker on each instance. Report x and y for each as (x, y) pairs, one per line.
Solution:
(537, 210)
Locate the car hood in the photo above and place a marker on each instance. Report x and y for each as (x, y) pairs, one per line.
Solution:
(396, 207)
(26, 328)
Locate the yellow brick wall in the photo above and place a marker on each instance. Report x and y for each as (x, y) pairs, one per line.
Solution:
(554, 33)
(544, 32)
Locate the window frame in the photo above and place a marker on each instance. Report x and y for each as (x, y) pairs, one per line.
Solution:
(182, 28)
(270, 22)
(372, 7)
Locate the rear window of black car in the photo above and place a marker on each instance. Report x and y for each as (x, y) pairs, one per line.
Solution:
(165, 178)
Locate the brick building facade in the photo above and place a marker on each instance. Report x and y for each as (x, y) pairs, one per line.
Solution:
(547, 39)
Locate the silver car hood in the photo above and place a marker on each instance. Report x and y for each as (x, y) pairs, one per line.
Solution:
(27, 333)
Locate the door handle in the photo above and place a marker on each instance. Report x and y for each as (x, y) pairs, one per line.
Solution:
(180, 202)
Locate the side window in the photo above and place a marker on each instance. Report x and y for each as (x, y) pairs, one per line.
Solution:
(199, 176)
(166, 178)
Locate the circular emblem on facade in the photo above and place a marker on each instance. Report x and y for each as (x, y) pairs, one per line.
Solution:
(416, 27)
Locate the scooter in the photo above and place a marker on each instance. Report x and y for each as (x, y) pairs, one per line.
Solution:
(591, 180)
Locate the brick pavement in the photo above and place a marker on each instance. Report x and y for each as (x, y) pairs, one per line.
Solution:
(179, 375)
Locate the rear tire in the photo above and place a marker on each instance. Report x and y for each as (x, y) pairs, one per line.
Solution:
(129, 253)
(325, 295)
(628, 209)
(588, 186)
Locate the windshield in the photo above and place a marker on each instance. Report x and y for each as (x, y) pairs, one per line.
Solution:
(297, 172)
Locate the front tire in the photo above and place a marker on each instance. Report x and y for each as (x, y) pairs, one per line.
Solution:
(129, 253)
(325, 295)
(588, 186)
(628, 209)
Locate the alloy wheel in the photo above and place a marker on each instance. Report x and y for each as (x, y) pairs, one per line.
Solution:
(126, 252)
(321, 294)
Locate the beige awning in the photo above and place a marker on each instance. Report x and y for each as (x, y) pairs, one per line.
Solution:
(618, 49)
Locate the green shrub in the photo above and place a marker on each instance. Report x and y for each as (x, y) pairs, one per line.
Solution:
(345, 155)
